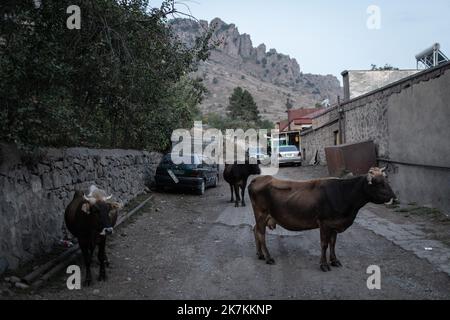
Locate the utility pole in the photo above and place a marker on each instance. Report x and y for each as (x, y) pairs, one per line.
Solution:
(340, 114)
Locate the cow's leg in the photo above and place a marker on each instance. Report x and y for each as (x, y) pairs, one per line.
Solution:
(324, 240)
(84, 246)
(232, 193)
(236, 191)
(101, 258)
(258, 245)
(261, 237)
(243, 184)
(333, 260)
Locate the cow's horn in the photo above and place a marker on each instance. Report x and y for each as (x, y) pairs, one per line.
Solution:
(370, 177)
(107, 198)
(90, 200)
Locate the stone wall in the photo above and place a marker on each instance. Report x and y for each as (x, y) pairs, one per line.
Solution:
(365, 120)
(35, 192)
(408, 122)
(315, 140)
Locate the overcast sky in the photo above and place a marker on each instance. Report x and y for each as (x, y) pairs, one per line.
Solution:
(327, 37)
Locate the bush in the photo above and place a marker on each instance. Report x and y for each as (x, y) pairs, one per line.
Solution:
(110, 84)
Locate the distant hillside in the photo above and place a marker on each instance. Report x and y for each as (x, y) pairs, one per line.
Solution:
(271, 77)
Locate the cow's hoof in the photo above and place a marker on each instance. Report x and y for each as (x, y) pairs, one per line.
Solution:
(260, 256)
(243, 204)
(336, 263)
(270, 261)
(236, 205)
(325, 267)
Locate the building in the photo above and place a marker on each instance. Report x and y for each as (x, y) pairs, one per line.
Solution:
(298, 120)
(359, 82)
(408, 121)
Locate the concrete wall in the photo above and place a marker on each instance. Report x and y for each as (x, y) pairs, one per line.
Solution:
(360, 82)
(409, 124)
(35, 193)
(419, 133)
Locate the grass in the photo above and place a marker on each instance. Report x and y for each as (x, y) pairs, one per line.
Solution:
(392, 206)
(413, 209)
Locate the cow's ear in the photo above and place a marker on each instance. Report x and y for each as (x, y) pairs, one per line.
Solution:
(115, 205)
(335, 196)
(86, 208)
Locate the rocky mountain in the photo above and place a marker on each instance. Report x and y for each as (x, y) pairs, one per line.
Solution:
(271, 77)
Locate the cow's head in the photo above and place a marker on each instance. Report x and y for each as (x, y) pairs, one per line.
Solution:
(254, 169)
(378, 188)
(99, 207)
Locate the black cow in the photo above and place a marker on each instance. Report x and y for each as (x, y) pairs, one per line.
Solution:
(90, 219)
(328, 204)
(237, 175)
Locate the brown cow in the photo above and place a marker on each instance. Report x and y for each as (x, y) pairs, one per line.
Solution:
(90, 219)
(328, 204)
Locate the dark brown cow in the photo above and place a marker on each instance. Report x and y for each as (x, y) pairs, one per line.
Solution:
(237, 175)
(328, 204)
(90, 219)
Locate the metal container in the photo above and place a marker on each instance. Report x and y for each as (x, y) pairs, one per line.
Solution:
(355, 158)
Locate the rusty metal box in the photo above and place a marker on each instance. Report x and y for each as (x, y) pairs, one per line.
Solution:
(356, 158)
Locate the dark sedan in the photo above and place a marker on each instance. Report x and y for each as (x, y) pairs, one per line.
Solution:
(195, 175)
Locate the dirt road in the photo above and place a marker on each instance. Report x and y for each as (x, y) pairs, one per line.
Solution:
(185, 246)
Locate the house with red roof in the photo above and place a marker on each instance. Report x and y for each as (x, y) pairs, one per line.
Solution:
(298, 120)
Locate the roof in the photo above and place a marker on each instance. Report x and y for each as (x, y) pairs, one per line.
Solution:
(297, 114)
(300, 117)
(283, 125)
(302, 121)
(317, 113)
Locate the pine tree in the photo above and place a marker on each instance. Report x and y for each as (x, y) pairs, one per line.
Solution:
(242, 106)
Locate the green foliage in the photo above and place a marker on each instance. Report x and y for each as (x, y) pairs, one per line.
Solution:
(242, 114)
(289, 104)
(119, 81)
(242, 106)
(387, 66)
(223, 123)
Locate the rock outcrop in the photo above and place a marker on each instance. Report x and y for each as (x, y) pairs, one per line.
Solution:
(270, 76)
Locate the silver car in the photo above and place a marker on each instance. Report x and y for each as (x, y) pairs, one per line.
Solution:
(289, 155)
(258, 156)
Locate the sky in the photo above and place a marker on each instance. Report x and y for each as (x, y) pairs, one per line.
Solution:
(330, 36)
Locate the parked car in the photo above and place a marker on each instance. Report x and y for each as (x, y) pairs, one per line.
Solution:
(197, 175)
(259, 155)
(289, 155)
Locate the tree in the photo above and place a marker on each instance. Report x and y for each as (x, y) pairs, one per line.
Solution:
(224, 122)
(119, 81)
(289, 104)
(242, 106)
(386, 67)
